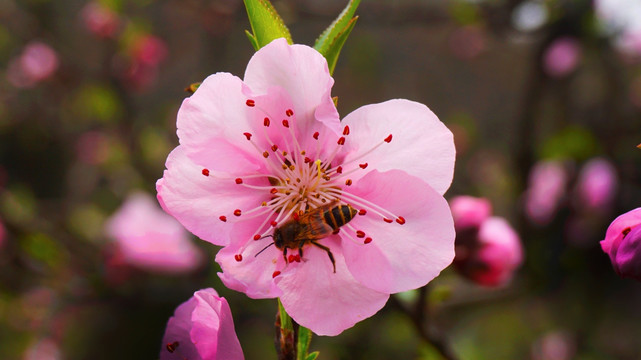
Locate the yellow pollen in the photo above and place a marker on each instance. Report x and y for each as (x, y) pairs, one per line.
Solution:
(302, 152)
(292, 167)
(285, 167)
(264, 203)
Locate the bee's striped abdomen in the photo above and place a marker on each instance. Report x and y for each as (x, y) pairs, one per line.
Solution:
(339, 215)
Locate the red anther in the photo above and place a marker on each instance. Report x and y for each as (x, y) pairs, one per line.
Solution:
(289, 112)
(273, 191)
(626, 231)
(265, 154)
(341, 141)
(250, 103)
(266, 121)
(400, 220)
(336, 231)
(276, 273)
(223, 218)
(238, 257)
(388, 138)
(360, 234)
(239, 181)
(348, 182)
(171, 347)
(367, 240)
(362, 212)
(315, 136)
(274, 147)
(237, 212)
(285, 123)
(389, 221)
(256, 237)
(205, 172)
(362, 166)
(248, 135)
(274, 223)
(297, 257)
(296, 216)
(307, 160)
(339, 170)
(346, 130)
(291, 258)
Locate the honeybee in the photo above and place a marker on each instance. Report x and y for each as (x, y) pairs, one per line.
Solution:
(311, 226)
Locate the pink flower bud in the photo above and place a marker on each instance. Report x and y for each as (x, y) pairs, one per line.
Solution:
(561, 57)
(149, 50)
(100, 20)
(202, 328)
(149, 238)
(546, 188)
(500, 253)
(469, 211)
(597, 184)
(623, 244)
(37, 62)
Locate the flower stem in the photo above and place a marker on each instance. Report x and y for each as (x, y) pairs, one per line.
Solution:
(286, 335)
(420, 317)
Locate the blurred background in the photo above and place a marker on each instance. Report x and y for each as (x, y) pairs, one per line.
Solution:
(543, 96)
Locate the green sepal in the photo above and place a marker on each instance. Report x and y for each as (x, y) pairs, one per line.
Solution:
(285, 320)
(331, 41)
(266, 24)
(304, 339)
(312, 356)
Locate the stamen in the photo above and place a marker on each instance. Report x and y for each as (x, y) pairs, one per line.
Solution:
(339, 170)
(205, 172)
(274, 223)
(248, 135)
(362, 212)
(341, 141)
(273, 191)
(257, 237)
(237, 212)
(266, 122)
(400, 220)
(250, 103)
(289, 112)
(367, 240)
(265, 154)
(389, 221)
(274, 148)
(238, 257)
(285, 123)
(348, 182)
(626, 231)
(276, 273)
(171, 347)
(346, 130)
(360, 234)
(362, 166)
(388, 139)
(315, 136)
(239, 181)
(223, 218)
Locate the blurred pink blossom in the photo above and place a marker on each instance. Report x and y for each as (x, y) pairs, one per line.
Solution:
(202, 328)
(622, 20)
(37, 62)
(557, 345)
(622, 243)
(100, 20)
(256, 153)
(469, 211)
(149, 50)
(597, 184)
(546, 188)
(149, 238)
(43, 349)
(561, 57)
(500, 253)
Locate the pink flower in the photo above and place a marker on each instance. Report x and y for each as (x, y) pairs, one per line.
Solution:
(149, 50)
(546, 188)
(500, 252)
(561, 57)
(100, 20)
(469, 211)
(202, 328)
(37, 62)
(3, 234)
(256, 154)
(597, 184)
(151, 239)
(623, 244)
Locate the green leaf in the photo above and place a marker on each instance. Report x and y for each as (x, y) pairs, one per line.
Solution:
(330, 42)
(266, 24)
(304, 339)
(312, 356)
(285, 320)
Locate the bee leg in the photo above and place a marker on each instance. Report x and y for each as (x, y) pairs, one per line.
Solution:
(329, 253)
(285, 255)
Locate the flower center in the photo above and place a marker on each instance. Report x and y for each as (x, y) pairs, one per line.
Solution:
(295, 180)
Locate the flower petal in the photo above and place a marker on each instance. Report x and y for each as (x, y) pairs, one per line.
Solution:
(212, 316)
(197, 201)
(324, 301)
(614, 233)
(421, 144)
(303, 73)
(400, 257)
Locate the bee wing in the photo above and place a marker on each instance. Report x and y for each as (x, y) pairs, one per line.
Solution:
(314, 228)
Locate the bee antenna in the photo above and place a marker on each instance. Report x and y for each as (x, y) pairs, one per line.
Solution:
(265, 248)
